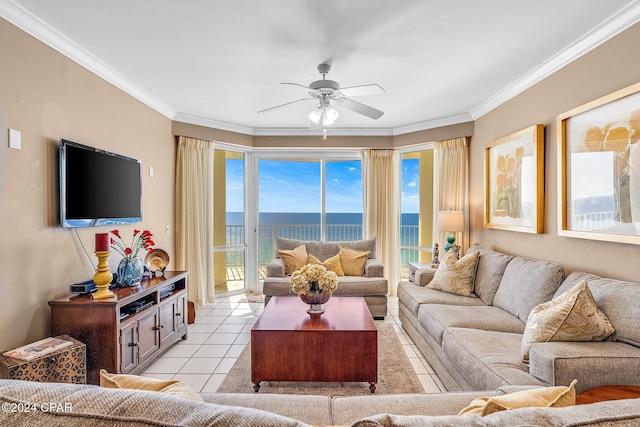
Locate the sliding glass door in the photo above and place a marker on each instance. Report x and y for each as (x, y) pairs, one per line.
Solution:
(343, 200)
(308, 198)
(229, 236)
(416, 222)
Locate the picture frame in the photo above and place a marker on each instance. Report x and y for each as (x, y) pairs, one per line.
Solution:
(599, 169)
(514, 181)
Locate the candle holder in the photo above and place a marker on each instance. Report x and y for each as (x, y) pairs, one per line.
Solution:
(103, 277)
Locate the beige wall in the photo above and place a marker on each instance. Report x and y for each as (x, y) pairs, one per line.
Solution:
(47, 97)
(612, 66)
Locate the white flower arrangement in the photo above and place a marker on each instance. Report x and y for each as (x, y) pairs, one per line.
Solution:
(312, 279)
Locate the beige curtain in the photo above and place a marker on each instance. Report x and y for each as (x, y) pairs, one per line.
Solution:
(451, 187)
(381, 193)
(194, 217)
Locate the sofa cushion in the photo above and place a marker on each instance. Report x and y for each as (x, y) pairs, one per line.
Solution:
(354, 286)
(621, 413)
(573, 279)
(353, 261)
(487, 359)
(293, 258)
(526, 283)
(619, 301)
(323, 250)
(135, 382)
(412, 295)
(558, 363)
(573, 316)
(456, 275)
(92, 405)
(308, 408)
(332, 264)
(349, 409)
(435, 318)
(549, 397)
(491, 266)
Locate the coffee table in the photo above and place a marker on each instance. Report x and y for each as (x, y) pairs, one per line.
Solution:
(340, 345)
(608, 392)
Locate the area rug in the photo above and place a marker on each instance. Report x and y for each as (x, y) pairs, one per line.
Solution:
(252, 296)
(395, 374)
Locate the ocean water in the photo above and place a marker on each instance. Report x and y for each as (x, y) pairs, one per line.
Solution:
(306, 226)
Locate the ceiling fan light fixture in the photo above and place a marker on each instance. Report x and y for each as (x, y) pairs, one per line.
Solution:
(330, 115)
(316, 114)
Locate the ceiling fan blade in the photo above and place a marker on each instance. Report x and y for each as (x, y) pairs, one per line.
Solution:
(360, 108)
(362, 90)
(295, 84)
(284, 105)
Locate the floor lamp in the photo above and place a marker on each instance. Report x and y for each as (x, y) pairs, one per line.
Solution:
(451, 222)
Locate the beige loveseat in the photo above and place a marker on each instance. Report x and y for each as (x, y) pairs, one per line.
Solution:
(475, 342)
(31, 404)
(371, 284)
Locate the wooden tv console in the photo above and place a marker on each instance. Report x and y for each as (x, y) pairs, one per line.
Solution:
(125, 334)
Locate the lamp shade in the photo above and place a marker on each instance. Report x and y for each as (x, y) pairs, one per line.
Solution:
(450, 221)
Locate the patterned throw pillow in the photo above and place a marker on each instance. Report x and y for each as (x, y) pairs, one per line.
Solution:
(353, 261)
(572, 316)
(293, 259)
(331, 264)
(456, 276)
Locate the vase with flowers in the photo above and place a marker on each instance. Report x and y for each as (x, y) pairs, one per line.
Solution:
(314, 284)
(130, 268)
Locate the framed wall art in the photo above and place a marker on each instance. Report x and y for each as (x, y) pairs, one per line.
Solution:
(599, 169)
(514, 181)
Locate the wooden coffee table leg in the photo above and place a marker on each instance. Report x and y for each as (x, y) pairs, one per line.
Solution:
(256, 386)
(372, 386)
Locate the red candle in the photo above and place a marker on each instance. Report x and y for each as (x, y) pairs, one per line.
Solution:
(102, 242)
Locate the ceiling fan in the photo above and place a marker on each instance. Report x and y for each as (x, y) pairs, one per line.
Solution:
(324, 91)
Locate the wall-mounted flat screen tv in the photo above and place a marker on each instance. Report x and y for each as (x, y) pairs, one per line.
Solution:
(98, 187)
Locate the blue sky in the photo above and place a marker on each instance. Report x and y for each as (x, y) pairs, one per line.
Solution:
(294, 186)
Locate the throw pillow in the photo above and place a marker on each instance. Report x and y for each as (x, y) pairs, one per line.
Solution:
(331, 264)
(572, 316)
(293, 259)
(173, 387)
(456, 276)
(550, 397)
(353, 261)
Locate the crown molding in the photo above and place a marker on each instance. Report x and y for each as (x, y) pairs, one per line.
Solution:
(623, 19)
(39, 29)
(210, 123)
(431, 124)
(331, 131)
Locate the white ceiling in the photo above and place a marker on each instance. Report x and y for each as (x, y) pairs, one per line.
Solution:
(216, 63)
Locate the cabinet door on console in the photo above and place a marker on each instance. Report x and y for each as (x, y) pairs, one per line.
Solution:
(148, 335)
(128, 348)
(168, 312)
(181, 315)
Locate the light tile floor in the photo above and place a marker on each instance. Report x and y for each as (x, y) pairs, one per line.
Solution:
(221, 332)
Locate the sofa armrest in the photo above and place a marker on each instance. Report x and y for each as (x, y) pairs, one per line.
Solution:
(593, 364)
(275, 268)
(424, 276)
(373, 268)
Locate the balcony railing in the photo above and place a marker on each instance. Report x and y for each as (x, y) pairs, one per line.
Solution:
(335, 232)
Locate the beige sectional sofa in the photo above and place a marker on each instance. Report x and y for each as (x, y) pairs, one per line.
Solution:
(31, 404)
(475, 343)
(371, 285)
